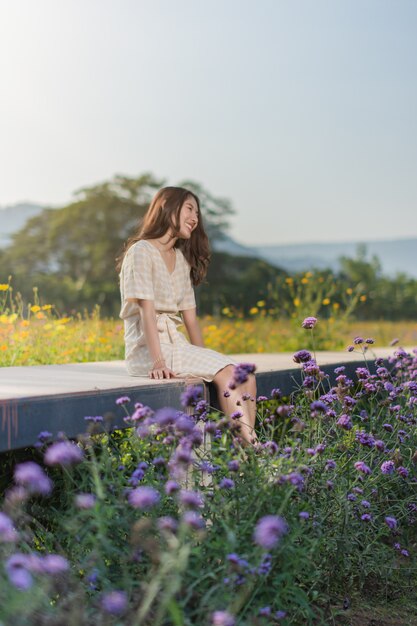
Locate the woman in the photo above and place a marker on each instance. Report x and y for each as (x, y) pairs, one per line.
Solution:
(161, 263)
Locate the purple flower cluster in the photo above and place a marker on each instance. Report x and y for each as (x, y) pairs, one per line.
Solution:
(114, 602)
(241, 373)
(269, 530)
(302, 356)
(143, 498)
(309, 322)
(33, 478)
(191, 396)
(20, 567)
(63, 453)
(8, 533)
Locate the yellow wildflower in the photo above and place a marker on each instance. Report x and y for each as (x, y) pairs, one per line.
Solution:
(289, 281)
(40, 315)
(226, 310)
(3, 347)
(4, 287)
(304, 280)
(336, 306)
(326, 301)
(35, 308)
(25, 323)
(254, 310)
(63, 320)
(260, 303)
(309, 274)
(46, 307)
(296, 302)
(362, 298)
(349, 291)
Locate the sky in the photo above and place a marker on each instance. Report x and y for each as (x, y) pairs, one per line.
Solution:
(301, 112)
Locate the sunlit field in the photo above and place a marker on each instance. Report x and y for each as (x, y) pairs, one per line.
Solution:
(36, 334)
(44, 338)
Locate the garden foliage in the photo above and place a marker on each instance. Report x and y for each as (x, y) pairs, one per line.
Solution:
(171, 521)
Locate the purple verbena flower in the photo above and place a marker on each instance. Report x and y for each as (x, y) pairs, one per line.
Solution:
(8, 533)
(63, 453)
(309, 322)
(33, 477)
(264, 611)
(366, 517)
(165, 416)
(143, 497)
(193, 520)
(391, 522)
(380, 445)
(44, 435)
(94, 418)
(241, 373)
(304, 514)
(85, 500)
(222, 618)
(191, 499)
(192, 395)
(362, 467)
(345, 422)
(114, 602)
(269, 530)
(402, 471)
(167, 523)
(226, 483)
(123, 400)
(318, 407)
(276, 393)
(54, 564)
(388, 467)
(302, 356)
(17, 570)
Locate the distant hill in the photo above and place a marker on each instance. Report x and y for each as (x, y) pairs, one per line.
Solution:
(396, 256)
(13, 218)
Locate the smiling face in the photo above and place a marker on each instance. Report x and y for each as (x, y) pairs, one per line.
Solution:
(188, 218)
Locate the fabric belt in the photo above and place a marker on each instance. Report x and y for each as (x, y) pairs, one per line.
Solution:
(168, 323)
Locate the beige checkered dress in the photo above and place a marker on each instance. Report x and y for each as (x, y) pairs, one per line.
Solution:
(144, 275)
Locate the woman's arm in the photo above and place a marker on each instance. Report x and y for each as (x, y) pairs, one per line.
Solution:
(150, 330)
(193, 327)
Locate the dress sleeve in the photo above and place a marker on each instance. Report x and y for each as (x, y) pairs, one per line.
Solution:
(188, 299)
(138, 276)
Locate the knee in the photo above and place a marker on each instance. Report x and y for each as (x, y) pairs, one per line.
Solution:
(224, 376)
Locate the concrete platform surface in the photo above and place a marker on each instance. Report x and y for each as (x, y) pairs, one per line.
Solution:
(48, 380)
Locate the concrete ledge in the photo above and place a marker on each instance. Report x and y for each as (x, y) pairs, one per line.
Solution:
(58, 397)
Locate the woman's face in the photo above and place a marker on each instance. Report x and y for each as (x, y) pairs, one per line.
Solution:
(188, 219)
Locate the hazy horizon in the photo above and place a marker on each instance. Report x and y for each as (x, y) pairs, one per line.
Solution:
(302, 114)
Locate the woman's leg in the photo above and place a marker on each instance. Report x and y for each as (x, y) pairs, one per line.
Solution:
(242, 399)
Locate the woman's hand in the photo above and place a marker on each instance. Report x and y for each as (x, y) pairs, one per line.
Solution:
(161, 371)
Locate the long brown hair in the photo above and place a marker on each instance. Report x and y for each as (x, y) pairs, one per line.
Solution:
(163, 214)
